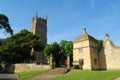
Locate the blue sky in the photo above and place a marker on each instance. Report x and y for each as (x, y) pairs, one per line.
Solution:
(66, 18)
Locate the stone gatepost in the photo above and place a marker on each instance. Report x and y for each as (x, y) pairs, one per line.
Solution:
(68, 61)
(51, 61)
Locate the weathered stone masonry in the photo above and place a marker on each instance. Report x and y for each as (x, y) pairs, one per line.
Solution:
(87, 57)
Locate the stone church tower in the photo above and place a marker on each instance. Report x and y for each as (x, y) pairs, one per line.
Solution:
(39, 28)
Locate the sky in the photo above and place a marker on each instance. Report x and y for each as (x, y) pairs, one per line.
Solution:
(66, 18)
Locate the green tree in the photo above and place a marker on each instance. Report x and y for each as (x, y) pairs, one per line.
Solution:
(53, 49)
(47, 51)
(69, 48)
(66, 47)
(59, 51)
(69, 53)
(18, 47)
(62, 47)
(0, 42)
(100, 44)
(4, 23)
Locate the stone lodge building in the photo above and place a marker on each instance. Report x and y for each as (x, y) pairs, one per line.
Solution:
(87, 57)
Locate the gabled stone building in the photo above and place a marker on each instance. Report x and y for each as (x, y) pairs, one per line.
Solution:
(87, 57)
(85, 52)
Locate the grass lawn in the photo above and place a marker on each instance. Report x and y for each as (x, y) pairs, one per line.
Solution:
(29, 74)
(89, 75)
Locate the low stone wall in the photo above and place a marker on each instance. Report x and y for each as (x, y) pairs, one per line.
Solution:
(26, 67)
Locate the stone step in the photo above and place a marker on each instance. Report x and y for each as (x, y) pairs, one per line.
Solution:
(57, 71)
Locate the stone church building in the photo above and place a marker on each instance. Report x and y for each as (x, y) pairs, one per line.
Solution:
(39, 28)
(87, 57)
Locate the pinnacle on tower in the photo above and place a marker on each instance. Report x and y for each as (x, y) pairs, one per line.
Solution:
(37, 14)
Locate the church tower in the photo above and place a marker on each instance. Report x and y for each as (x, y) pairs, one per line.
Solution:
(39, 27)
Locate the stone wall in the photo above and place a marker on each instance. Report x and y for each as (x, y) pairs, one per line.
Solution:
(93, 55)
(81, 51)
(26, 67)
(85, 50)
(102, 60)
(112, 55)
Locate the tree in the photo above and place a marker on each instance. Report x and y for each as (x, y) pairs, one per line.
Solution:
(4, 23)
(62, 47)
(69, 52)
(60, 52)
(18, 47)
(53, 50)
(66, 47)
(47, 51)
(48, 54)
(0, 42)
(55, 53)
(100, 44)
(69, 48)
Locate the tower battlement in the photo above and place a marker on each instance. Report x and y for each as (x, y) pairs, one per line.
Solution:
(39, 27)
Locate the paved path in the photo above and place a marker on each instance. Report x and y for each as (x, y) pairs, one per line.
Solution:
(50, 74)
(43, 77)
(117, 78)
(5, 76)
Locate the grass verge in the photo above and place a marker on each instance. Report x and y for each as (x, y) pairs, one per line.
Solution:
(89, 75)
(29, 74)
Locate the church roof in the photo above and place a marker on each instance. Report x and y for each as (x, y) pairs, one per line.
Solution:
(84, 36)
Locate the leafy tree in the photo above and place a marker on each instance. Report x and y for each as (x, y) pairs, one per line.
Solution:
(69, 48)
(0, 42)
(18, 47)
(59, 51)
(63, 43)
(53, 49)
(100, 44)
(63, 54)
(47, 50)
(4, 23)
(66, 47)
(69, 53)
(62, 47)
